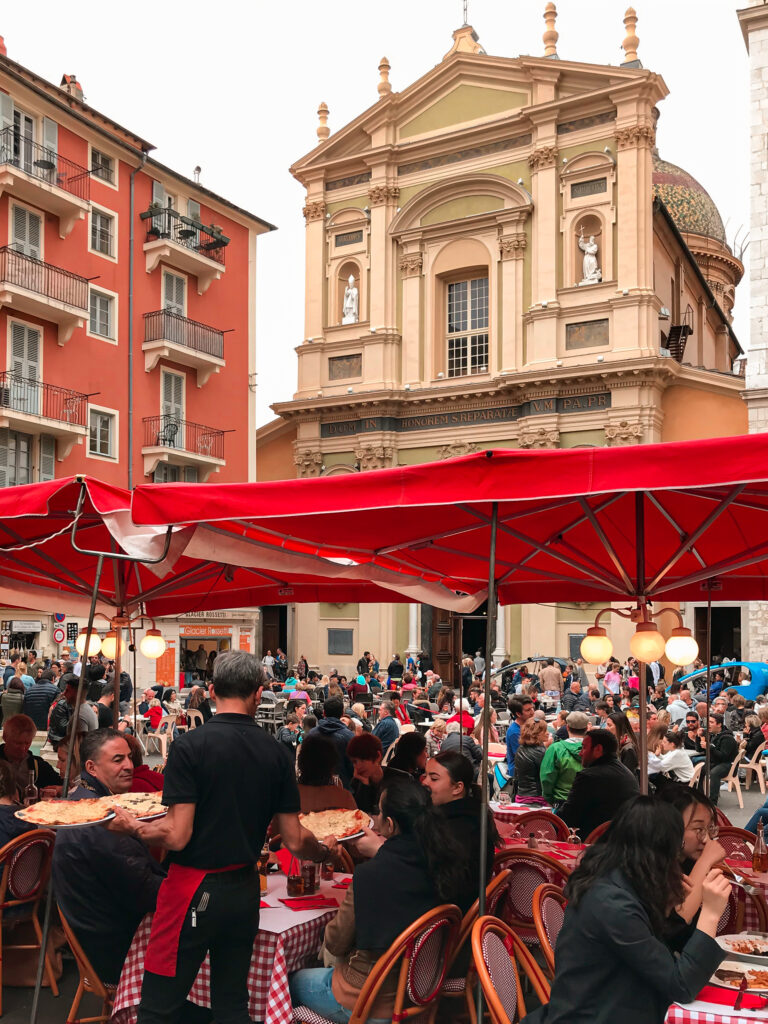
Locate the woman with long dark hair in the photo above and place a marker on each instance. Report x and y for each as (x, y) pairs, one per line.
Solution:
(410, 755)
(611, 960)
(629, 750)
(419, 866)
(320, 788)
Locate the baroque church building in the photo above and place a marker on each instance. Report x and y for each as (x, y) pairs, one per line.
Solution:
(498, 257)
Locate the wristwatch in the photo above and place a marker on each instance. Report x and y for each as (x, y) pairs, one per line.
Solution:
(326, 854)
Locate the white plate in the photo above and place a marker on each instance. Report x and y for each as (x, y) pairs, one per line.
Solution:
(724, 942)
(153, 817)
(82, 824)
(742, 969)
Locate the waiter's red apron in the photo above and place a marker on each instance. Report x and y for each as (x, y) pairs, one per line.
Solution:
(173, 901)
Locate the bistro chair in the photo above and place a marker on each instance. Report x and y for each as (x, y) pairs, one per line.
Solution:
(162, 737)
(696, 777)
(530, 868)
(89, 982)
(732, 778)
(166, 436)
(755, 766)
(462, 985)
(499, 958)
(26, 865)
(420, 954)
(549, 905)
(737, 842)
(194, 720)
(544, 825)
(595, 834)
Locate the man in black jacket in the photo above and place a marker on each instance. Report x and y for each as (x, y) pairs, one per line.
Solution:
(602, 785)
(333, 729)
(723, 748)
(575, 700)
(39, 698)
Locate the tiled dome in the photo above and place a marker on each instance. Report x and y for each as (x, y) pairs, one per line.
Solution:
(691, 206)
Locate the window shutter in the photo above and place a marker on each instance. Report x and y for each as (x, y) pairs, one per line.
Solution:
(160, 476)
(4, 457)
(173, 298)
(193, 210)
(27, 231)
(6, 112)
(19, 228)
(18, 347)
(32, 354)
(47, 457)
(51, 138)
(190, 474)
(173, 395)
(34, 235)
(158, 193)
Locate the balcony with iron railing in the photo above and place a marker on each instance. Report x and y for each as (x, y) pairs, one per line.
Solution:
(51, 293)
(33, 407)
(182, 443)
(168, 335)
(183, 243)
(45, 178)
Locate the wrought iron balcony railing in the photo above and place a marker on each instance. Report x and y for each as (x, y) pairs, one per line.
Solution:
(163, 222)
(44, 164)
(164, 325)
(182, 435)
(24, 394)
(45, 279)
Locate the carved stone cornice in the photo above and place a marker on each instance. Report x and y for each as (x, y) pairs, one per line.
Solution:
(636, 135)
(380, 194)
(512, 247)
(314, 210)
(411, 264)
(374, 456)
(623, 432)
(544, 156)
(309, 462)
(542, 438)
(452, 451)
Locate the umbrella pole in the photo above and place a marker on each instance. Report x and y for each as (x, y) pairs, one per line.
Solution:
(643, 729)
(707, 758)
(490, 644)
(116, 681)
(65, 788)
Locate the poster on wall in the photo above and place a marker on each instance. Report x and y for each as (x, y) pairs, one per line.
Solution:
(245, 640)
(165, 666)
(72, 631)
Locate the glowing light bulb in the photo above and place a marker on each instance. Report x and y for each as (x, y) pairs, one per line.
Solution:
(94, 644)
(596, 647)
(647, 643)
(152, 644)
(681, 647)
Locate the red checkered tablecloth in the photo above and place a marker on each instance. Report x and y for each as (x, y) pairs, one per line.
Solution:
(710, 1013)
(277, 952)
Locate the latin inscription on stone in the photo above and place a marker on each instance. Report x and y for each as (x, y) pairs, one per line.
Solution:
(343, 367)
(469, 417)
(589, 188)
(348, 238)
(589, 334)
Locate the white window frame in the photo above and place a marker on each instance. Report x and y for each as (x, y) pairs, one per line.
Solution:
(174, 373)
(174, 273)
(116, 162)
(38, 213)
(115, 414)
(98, 208)
(114, 296)
(13, 319)
(469, 333)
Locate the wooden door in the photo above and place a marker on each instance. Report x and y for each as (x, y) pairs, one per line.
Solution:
(270, 629)
(446, 646)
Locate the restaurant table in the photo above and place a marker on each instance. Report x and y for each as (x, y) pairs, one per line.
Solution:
(510, 812)
(700, 1012)
(567, 854)
(287, 940)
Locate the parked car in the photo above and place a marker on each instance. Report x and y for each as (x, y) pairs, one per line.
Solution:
(757, 684)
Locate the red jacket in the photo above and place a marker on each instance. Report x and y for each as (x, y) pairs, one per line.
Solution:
(154, 715)
(401, 714)
(147, 781)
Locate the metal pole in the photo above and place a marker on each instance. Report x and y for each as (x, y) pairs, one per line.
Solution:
(707, 758)
(640, 582)
(116, 680)
(643, 730)
(65, 789)
(490, 644)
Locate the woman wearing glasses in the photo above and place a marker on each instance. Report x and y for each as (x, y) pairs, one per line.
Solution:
(700, 852)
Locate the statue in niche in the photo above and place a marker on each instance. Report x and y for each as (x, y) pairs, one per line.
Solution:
(349, 309)
(592, 273)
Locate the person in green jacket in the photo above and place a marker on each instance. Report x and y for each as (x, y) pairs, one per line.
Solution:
(562, 760)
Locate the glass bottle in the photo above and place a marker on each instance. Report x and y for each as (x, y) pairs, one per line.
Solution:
(31, 796)
(262, 865)
(533, 843)
(760, 855)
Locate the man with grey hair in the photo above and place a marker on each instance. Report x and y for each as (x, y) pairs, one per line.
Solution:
(387, 727)
(224, 783)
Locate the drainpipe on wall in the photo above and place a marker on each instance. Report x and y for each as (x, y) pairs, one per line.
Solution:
(134, 172)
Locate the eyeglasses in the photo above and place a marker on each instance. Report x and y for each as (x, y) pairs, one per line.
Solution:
(712, 831)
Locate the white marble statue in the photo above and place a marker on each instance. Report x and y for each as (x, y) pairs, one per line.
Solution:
(349, 310)
(592, 273)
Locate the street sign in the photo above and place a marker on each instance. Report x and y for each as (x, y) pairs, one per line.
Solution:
(72, 632)
(58, 634)
(59, 616)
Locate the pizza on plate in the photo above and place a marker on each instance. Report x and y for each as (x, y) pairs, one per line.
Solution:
(143, 805)
(335, 822)
(66, 812)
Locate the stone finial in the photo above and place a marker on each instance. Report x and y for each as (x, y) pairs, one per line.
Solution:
(384, 86)
(551, 34)
(323, 131)
(465, 40)
(631, 42)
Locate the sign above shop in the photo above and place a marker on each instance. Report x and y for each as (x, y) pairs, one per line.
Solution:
(26, 626)
(203, 631)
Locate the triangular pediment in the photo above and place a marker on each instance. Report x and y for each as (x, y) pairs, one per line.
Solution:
(465, 90)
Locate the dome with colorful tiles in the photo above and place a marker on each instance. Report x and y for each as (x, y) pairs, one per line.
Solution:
(690, 205)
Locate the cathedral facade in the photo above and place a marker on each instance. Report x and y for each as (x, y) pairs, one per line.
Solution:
(498, 257)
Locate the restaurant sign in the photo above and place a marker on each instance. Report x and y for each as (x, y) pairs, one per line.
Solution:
(468, 417)
(203, 631)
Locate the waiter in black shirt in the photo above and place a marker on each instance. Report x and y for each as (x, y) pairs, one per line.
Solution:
(223, 784)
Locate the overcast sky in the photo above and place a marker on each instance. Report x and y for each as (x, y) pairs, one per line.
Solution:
(234, 87)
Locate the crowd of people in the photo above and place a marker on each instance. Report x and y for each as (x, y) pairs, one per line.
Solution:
(571, 745)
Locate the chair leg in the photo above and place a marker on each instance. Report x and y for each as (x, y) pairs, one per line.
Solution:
(74, 1008)
(737, 784)
(761, 779)
(48, 964)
